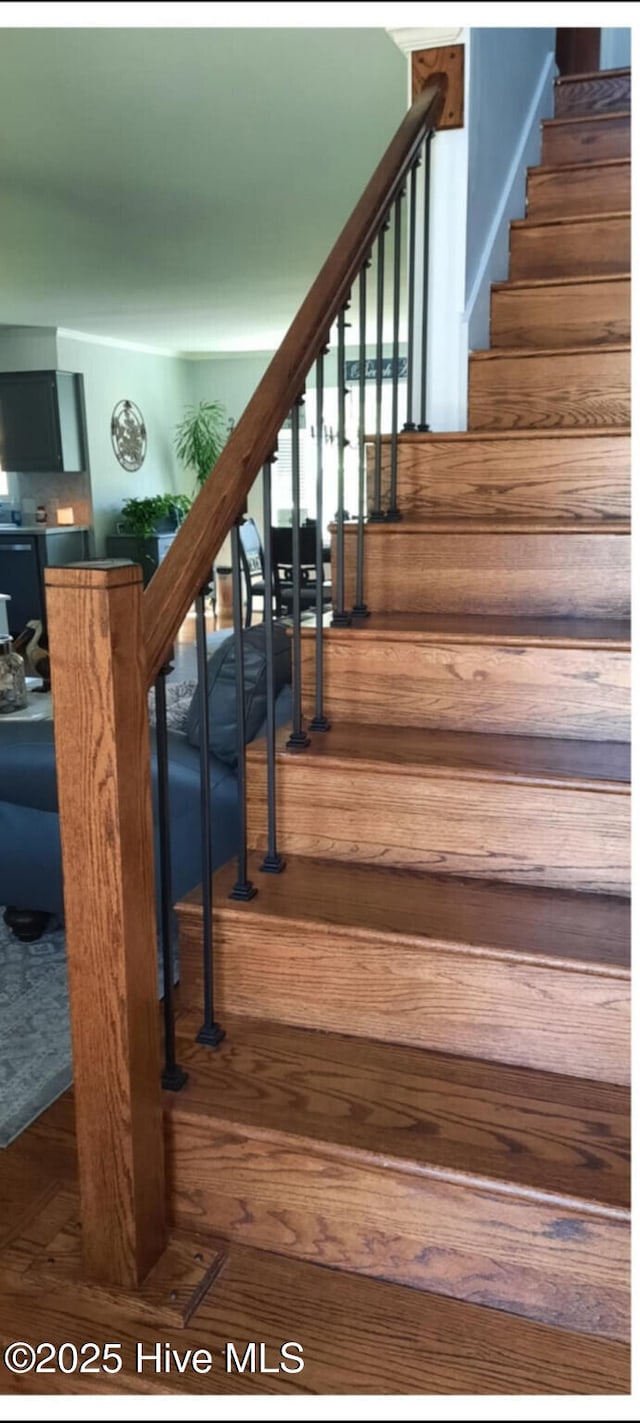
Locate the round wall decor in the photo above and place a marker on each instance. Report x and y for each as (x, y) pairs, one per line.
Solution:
(128, 435)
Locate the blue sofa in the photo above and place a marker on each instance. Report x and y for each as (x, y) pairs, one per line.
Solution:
(30, 858)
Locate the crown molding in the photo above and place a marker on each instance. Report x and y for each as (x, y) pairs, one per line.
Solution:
(409, 40)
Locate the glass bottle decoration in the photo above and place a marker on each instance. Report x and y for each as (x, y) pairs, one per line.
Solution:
(13, 688)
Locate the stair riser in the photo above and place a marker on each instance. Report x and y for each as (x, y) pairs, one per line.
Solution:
(549, 391)
(521, 477)
(583, 314)
(605, 93)
(523, 691)
(557, 836)
(558, 193)
(524, 1256)
(588, 142)
(459, 1002)
(595, 248)
(554, 575)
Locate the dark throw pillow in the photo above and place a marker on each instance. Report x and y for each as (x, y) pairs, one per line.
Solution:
(221, 681)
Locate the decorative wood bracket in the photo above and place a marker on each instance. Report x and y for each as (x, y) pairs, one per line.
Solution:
(426, 63)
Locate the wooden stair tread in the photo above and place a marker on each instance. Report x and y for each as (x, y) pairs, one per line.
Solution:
(535, 760)
(515, 1129)
(612, 116)
(442, 524)
(613, 634)
(465, 436)
(539, 168)
(525, 925)
(571, 219)
(510, 353)
(587, 279)
(564, 79)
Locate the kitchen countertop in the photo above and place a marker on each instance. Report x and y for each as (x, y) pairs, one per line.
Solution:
(44, 528)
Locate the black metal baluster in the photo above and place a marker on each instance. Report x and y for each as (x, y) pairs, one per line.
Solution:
(211, 1034)
(173, 1076)
(243, 888)
(376, 514)
(320, 722)
(298, 738)
(340, 617)
(423, 426)
(393, 513)
(409, 423)
(273, 862)
(360, 609)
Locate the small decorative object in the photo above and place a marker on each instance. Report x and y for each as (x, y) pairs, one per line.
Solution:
(201, 437)
(128, 435)
(41, 514)
(36, 658)
(159, 514)
(13, 688)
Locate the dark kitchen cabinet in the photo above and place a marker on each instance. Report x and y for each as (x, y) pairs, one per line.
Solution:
(24, 555)
(41, 422)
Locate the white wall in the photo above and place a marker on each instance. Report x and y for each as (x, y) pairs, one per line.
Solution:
(511, 73)
(160, 386)
(615, 48)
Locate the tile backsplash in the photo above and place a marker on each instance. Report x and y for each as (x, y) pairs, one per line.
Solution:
(56, 491)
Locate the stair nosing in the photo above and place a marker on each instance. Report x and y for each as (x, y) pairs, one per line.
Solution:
(592, 74)
(475, 638)
(499, 353)
(439, 524)
(578, 432)
(588, 118)
(423, 942)
(577, 167)
(588, 279)
(525, 224)
(182, 1107)
(442, 771)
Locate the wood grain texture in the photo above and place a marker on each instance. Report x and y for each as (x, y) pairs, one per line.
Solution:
(606, 92)
(586, 140)
(588, 187)
(514, 390)
(450, 1175)
(499, 972)
(359, 1335)
(523, 810)
(570, 247)
(427, 65)
(574, 474)
(188, 563)
(562, 574)
(561, 313)
(104, 791)
(550, 688)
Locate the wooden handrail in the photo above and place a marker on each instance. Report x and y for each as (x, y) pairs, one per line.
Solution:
(188, 563)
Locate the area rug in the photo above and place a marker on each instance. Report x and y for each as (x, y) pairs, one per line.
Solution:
(35, 1047)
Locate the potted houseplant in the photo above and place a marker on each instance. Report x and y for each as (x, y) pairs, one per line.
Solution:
(158, 514)
(200, 438)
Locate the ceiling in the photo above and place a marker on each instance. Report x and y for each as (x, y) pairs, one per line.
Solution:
(181, 188)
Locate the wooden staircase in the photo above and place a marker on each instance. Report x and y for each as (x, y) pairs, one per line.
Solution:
(426, 1066)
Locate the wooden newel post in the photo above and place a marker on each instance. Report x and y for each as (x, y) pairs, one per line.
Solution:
(104, 792)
